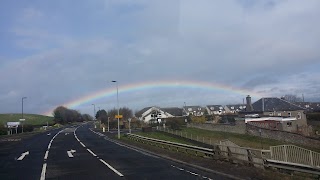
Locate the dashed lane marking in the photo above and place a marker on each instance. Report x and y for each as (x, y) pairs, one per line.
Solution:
(110, 167)
(104, 162)
(91, 152)
(82, 144)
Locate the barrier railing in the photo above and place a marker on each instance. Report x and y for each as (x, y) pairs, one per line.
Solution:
(231, 153)
(288, 157)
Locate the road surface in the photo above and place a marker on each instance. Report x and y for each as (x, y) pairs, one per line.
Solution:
(78, 152)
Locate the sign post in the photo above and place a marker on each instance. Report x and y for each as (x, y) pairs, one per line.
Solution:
(129, 125)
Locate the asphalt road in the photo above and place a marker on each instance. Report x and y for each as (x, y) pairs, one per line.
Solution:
(80, 153)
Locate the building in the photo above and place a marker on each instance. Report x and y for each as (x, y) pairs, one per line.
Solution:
(279, 111)
(235, 108)
(154, 113)
(309, 106)
(194, 110)
(215, 109)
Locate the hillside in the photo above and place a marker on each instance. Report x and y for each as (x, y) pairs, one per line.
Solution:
(32, 119)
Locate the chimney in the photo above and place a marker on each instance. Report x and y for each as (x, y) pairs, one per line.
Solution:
(249, 105)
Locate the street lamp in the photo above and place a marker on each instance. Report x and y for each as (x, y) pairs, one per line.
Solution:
(118, 108)
(22, 113)
(94, 111)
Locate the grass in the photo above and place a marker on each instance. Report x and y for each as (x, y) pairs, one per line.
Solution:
(163, 136)
(32, 119)
(243, 140)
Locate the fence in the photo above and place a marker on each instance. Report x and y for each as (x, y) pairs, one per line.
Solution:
(294, 154)
(284, 154)
(218, 151)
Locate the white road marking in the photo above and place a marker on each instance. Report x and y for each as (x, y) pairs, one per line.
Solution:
(23, 155)
(110, 167)
(46, 155)
(70, 153)
(44, 167)
(82, 144)
(91, 152)
(43, 172)
(192, 173)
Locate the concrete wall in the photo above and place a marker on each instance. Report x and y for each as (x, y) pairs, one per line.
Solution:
(283, 136)
(239, 127)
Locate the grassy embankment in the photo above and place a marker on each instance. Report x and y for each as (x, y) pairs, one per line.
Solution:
(30, 119)
(215, 136)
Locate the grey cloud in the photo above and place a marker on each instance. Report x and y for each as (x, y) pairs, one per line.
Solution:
(264, 48)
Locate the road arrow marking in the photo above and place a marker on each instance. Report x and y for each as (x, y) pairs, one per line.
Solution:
(23, 155)
(70, 153)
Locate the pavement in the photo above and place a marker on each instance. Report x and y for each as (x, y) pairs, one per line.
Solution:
(78, 152)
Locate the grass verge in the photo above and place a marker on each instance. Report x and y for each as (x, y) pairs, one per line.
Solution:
(238, 170)
(32, 119)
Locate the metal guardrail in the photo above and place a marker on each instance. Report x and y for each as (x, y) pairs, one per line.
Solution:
(231, 153)
(254, 157)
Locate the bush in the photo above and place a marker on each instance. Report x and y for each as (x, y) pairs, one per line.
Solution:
(26, 128)
(3, 130)
(313, 116)
(175, 123)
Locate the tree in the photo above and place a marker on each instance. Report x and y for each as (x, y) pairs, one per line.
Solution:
(64, 115)
(124, 111)
(198, 119)
(101, 112)
(87, 117)
(292, 98)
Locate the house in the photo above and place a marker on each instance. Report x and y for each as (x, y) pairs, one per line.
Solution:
(215, 109)
(154, 113)
(272, 122)
(291, 116)
(233, 109)
(309, 106)
(194, 110)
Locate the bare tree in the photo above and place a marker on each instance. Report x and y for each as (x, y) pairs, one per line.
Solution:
(292, 98)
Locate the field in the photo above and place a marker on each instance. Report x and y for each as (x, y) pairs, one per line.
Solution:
(32, 119)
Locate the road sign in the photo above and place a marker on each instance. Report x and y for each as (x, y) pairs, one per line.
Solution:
(13, 124)
(22, 119)
(118, 116)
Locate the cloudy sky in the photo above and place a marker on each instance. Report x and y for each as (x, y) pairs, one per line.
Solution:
(55, 52)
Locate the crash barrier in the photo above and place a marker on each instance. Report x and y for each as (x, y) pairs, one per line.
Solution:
(219, 151)
(288, 157)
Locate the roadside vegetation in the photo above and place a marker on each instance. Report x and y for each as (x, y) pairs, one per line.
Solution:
(163, 136)
(30, 119)
(63, 115)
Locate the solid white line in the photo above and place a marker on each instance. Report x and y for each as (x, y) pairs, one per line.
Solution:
(49, 146)
(91, 152)
(46, 155)
(43, 172)
(82, 144)
(110, 167)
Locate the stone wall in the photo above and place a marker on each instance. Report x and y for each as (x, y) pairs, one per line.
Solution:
(283, 136)
(239, 127)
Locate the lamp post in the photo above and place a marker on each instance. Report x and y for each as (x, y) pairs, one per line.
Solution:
(108, 124)
(118, 108)
(22, 113)
(94, 111)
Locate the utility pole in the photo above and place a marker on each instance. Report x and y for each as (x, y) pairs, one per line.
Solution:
(118, 109)
(22, 114)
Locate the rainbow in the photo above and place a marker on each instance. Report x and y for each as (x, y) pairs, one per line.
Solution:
(154, 84)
